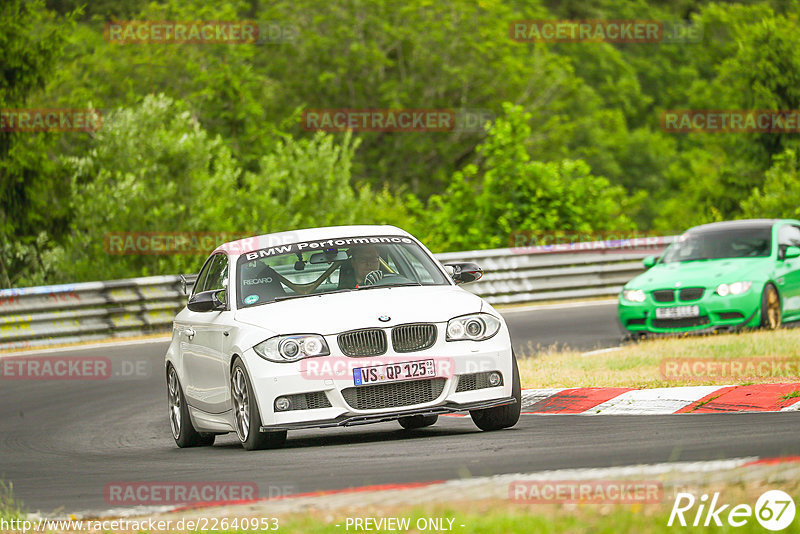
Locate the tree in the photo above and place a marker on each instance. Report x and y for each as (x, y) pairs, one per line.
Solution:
(305, 183)
(30, 209)
(507, 192)
(777, 198)
(154, 169)
(151, 168)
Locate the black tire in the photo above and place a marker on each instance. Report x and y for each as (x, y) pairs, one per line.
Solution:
(771, 316)
(246, 410)
(183, 432)
(417, 421)
(501, 416)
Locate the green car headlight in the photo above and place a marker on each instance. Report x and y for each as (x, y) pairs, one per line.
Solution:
(736, 288)
(633, 295)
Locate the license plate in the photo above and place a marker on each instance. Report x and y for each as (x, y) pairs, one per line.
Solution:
(677, 312)
(392, 372)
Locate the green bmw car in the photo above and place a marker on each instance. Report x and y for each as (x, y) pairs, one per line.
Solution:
(725, 275)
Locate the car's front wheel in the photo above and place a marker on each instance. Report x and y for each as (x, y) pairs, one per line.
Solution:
(180, 423)
(501, 416)
(412, 422)
(245, 413)
(770, 308)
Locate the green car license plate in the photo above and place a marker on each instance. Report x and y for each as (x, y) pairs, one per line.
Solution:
(677, 312)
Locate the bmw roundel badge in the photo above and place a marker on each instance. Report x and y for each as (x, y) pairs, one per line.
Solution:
(384, 318)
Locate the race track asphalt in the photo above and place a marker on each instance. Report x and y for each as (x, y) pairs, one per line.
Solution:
(61, 442)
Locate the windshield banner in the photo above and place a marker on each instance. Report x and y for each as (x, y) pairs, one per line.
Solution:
(305, 246)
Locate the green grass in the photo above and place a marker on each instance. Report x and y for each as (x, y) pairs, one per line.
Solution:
(791, 395)
(10, 507)
(639, 364)
(503, 517)
(703, 403)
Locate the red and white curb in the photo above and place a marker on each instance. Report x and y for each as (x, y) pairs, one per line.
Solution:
(659, 401)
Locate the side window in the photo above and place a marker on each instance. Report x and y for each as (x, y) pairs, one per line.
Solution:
(201, 277)
(789, 236)
(217, 274)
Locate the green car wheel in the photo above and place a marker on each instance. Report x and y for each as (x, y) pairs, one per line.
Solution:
(770, 308)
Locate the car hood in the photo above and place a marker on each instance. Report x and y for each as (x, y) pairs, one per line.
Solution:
(339, 312)
(708, 274)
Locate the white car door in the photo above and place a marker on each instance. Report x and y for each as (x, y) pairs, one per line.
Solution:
(203, 345)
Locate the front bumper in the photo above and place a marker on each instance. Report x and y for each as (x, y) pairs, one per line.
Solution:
(353, 420)
(337, 390)
(715, 313)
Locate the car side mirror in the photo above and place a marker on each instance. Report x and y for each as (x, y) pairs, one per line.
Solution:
(649, 261)
(791, 252)
(464, 273)
(205, 301)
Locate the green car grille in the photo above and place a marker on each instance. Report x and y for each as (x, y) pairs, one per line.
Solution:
(685, 294)
(687, 322)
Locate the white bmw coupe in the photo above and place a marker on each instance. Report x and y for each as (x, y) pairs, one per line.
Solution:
(334, 327)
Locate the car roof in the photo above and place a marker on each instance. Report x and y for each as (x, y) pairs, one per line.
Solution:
(250, 244)
(737, 225)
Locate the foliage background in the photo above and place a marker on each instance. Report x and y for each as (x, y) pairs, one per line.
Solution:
(208, 137)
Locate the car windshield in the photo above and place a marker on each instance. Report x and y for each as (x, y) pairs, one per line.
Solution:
(333, 265)
(754, 242)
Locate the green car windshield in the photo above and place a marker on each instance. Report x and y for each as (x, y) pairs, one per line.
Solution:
(755, 242)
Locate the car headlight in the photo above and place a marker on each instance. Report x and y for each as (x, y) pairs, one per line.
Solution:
(633, 295)
(736, 288)
(292, 348)
(475, 327)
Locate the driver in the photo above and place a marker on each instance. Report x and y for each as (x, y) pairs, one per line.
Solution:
(366, 264)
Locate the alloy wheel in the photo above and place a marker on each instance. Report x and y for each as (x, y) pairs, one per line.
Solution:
(241, 403)
(174, 397)
(773, 309)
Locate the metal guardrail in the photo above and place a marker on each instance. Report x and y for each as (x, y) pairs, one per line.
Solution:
(48, 315)
(558, 272)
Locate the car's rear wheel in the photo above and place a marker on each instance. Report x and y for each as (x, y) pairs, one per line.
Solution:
(770, 308)
(501, 416)
(180, 423)
(245, 413)
(417, 421)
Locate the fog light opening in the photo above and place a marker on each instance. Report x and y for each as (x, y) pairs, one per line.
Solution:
(494, 378)
(282, 404)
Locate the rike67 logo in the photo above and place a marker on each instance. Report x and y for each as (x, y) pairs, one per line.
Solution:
(774, 510)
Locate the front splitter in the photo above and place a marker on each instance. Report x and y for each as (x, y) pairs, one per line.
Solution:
(365, 419)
